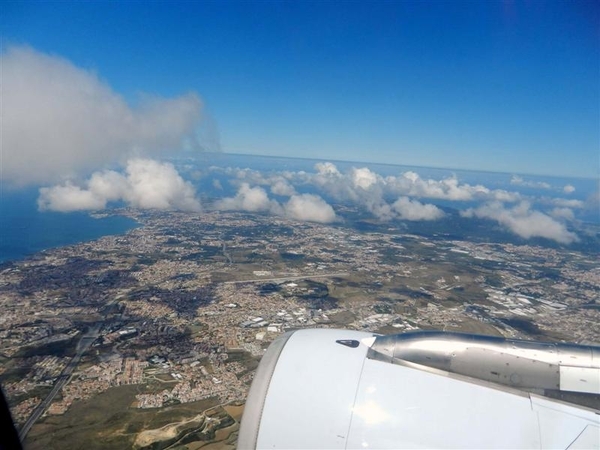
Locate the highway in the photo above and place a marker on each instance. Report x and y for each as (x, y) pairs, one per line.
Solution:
(296, 277)
(82, 346)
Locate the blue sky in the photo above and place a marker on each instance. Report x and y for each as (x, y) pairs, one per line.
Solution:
(498, 86)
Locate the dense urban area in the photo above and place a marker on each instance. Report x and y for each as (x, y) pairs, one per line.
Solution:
(151, 338)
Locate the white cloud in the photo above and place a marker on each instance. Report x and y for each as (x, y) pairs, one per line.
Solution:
(278, 183)
(563, 213)
(309, 207)
(519, 181)
(395, 197)
(327, 168)
(401, 197)
(108, 185)
(252, 199)
(566, 203)
(568, 189)
(306, 207)
(408, 209)
(155, 185)
(369, 190)
(524, 222)
(331, 181)
(363, 178)
(365, 188)
(501, 195)
(411, 184)
(68, 198)
(280, 186)
(147, 184)
(382, 210)
(60, 120)
(516, 179)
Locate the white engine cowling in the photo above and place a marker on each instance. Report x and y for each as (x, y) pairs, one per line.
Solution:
(323, 389)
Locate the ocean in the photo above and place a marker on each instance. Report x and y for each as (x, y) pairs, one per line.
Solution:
(24, 230)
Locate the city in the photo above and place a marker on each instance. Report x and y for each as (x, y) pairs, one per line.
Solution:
(175, 315)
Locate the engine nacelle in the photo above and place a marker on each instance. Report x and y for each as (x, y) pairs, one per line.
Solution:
(339, 389)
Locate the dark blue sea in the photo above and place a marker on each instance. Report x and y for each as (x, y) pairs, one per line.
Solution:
(24, 230)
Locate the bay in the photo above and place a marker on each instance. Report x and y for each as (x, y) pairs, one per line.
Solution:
(24, 230)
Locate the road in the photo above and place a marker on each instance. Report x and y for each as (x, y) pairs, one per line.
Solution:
(227, 255)
(82, 346)
(280, 279)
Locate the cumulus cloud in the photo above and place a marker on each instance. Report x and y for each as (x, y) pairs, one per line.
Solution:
(363, 177)
(565, 202)
(568, 189)
(382, 210)
(146, 184)
(411, 184)
(305, 207)
(402, 196)
(331, 182)
(363, 187)
(327, 168)
(524, 222)
(309, 207)
(251, 199)
(68, 197)
(519, 181)
(563, 213)
(501, 195)
(369, 190)
(278, 183)
(60, 120)
(155, 185)
(281, 186)
(408, 209)
(366, 188)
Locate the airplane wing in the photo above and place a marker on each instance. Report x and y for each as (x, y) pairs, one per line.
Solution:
(340, 389)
